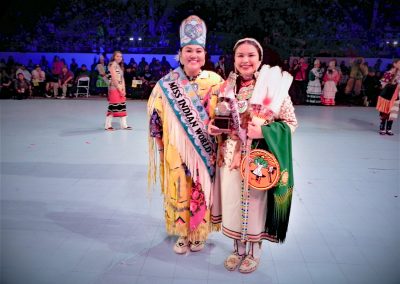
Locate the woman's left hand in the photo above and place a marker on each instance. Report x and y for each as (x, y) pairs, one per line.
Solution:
(254, 131)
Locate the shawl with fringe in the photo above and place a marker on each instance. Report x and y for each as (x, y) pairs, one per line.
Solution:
(187, 121)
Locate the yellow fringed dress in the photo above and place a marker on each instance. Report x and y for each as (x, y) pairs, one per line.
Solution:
(176, 184)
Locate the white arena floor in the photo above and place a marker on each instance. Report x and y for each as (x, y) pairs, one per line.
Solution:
(74, 207)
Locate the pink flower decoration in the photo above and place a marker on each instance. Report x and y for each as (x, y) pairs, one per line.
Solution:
(195, 195)
(193, 206)
(267, 101)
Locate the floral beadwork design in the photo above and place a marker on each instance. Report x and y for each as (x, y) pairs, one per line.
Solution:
(197, 200)
(155, 125)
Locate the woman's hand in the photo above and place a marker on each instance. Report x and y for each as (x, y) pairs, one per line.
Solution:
(254, 131)
(212, 129)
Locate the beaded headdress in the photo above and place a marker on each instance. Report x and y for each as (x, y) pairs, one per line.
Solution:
(193, 31)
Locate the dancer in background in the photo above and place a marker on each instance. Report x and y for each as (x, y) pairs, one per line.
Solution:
(314, 84)
(330, 81)
(116, 93)
(388, 100)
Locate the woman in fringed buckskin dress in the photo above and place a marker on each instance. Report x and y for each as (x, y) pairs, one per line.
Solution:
(179, 112)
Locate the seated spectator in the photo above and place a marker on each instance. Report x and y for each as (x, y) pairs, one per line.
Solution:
(82, 72)
(51, 80)
(156, 70)
(148, 81)
(38, 81)
(142, 64)
(164, 71)
(132, 62)
(5, 85)
(22, 69)
(65, 81)
(164, 63)
(22, 87)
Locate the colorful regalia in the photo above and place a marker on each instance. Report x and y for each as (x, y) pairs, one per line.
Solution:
(178, 111)
(388, 100)
(256, 215)
(331, 79)
(314, 86)
(116, 102)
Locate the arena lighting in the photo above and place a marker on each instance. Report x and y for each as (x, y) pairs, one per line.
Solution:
(395, 42)
(139, 38)
(131, 39)
(388, 42)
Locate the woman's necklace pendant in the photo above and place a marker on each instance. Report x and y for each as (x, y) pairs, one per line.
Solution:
(242, 106)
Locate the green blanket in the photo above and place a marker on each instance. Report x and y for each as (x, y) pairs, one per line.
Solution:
(278, 138)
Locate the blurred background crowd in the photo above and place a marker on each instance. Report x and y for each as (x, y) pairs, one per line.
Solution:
(288, 30)
(368, 28)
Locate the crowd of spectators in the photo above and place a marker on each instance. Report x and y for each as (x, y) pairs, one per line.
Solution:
(85, 26)
(142, 27)
(48, 79)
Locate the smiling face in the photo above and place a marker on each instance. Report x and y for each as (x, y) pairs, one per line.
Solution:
(247, 60)
(118, 57)
(192, 57)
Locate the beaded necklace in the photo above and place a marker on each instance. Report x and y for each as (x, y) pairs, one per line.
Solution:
(246, 90)
(192, 78)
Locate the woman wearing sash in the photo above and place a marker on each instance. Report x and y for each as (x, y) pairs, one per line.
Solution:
(262, 117)
(116, 93)
(178, 110)
(388, 99)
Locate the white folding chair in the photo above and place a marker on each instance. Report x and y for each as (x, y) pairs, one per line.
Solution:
(82, 88)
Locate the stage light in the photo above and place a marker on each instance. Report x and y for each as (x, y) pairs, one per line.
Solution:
(131, 39)
(395, 42)
(139, 38)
